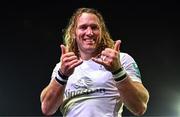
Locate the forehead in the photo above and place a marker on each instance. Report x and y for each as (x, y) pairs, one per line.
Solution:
(87, 18)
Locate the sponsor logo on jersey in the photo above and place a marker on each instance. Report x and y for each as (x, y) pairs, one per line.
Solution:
(82, 86)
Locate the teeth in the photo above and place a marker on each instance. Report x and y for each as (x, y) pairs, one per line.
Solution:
(89, 39)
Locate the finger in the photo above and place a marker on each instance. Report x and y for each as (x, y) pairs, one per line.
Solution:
(63, 49)
(68, 59)
(99, 61)
(69, 54)
(117, 45)
(106, 52)
(75, 63)
(103, 58)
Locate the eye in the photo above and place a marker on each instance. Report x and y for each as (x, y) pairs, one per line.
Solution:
(83, 27)
(94, 27)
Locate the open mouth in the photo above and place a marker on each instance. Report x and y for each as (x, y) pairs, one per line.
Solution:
(89, 40)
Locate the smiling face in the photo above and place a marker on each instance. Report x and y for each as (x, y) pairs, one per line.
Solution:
(87, 35)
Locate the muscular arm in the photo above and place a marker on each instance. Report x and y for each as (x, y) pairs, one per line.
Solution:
(51, 97)
(134, 95)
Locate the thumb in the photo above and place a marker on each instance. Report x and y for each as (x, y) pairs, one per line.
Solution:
(117, 45)
(63, 49)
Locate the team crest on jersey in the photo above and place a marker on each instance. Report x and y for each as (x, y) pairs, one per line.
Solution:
(84, 82)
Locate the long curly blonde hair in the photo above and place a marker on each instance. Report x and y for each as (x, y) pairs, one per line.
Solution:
(105, 40)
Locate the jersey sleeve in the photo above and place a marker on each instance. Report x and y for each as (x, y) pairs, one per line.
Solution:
(55, 70)
(130, 66)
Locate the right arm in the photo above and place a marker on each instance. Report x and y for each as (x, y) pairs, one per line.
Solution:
(51, 97)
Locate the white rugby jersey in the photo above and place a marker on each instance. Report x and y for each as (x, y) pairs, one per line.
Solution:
(91, 90)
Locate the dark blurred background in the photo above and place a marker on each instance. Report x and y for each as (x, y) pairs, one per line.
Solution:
(31, 32)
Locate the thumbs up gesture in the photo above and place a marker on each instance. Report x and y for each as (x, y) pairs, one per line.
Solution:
(68, 61)
(110, 57)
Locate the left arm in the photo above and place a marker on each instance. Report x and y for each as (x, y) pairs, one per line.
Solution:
(134, 95)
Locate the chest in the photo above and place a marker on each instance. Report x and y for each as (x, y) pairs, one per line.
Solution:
(89, 75)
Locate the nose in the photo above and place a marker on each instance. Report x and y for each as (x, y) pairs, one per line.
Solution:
(89, 31)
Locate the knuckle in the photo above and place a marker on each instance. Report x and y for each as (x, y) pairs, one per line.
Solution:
(64, 59)
(103, 52)
(66, 65)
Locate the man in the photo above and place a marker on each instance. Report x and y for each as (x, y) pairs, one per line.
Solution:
(93, 78)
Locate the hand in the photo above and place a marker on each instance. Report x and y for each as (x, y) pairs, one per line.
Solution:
(110, 57)
(68, 61)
